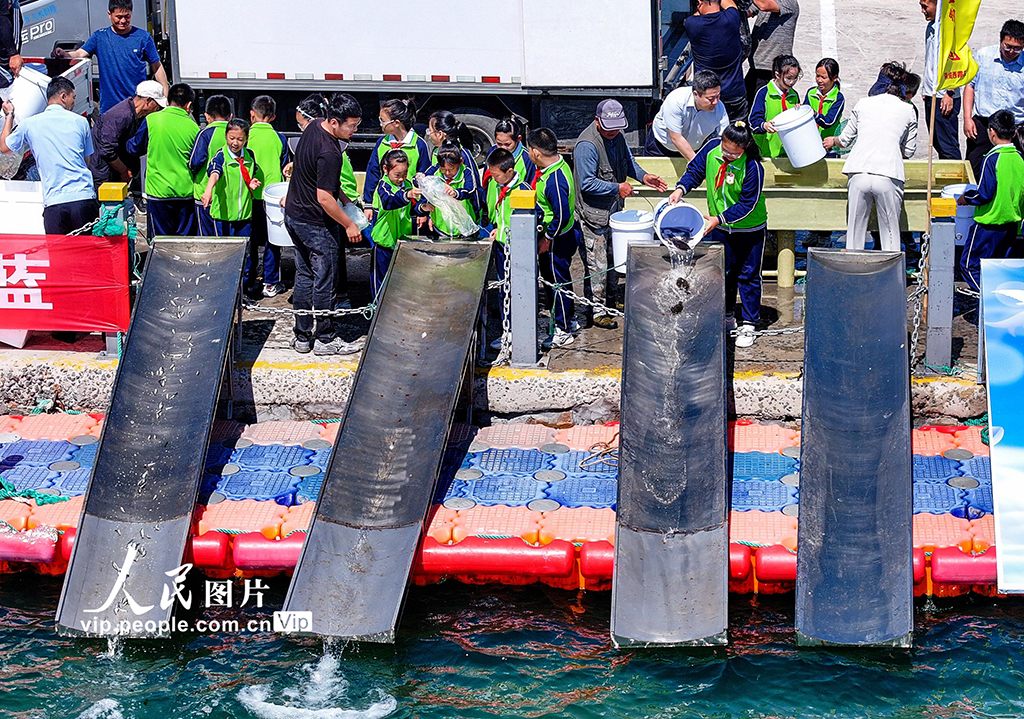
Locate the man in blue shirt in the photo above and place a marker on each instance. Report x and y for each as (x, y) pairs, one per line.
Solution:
(998, 85)
(126, 55)
(60, 141)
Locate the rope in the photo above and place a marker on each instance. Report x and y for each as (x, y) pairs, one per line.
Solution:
(983, 423)
(9, 491)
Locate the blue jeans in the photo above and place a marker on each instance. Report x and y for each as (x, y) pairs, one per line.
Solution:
(316, 264)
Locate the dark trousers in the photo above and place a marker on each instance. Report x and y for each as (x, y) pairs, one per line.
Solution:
(743, 253)
(271, 253)
(204, 222)
(947, 129)
(985, 242)
(171, 217)
(316, 262)
(653, 148)
(738, 108)
(65, 217)
(499, 259)
(379, 267)
(232, 228)
(554, 267)
(979, 146)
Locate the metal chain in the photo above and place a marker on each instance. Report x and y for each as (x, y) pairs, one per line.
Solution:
(505, 353)
(583, 300)
(366, 311)
(916, 298)
(967, 292)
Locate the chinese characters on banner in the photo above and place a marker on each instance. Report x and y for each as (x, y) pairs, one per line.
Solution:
(955, 65)
(59, 283)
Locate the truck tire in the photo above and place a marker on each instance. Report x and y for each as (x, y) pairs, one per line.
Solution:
(481, 126)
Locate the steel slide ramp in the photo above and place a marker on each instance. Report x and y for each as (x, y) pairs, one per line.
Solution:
(138, 506)
(1002, 284)
(355, 565)
(670, 584)
(854, 583)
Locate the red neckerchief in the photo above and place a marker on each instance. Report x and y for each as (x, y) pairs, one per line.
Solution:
(246, 178)
(536, 177)
(505, 189)
(784, 105)
(821, 102)
(396, 145)
(720, 178)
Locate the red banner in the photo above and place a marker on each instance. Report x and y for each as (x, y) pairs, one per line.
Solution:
(53, 282)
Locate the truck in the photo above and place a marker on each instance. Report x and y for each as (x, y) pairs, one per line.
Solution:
(546, 62)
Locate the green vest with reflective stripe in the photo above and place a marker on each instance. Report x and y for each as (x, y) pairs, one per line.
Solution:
(414, 154)
(771, 143)
(220, 129)
(547, 211)
(825, 103)
(267, 148)
(499, 211)
(172, 135)
(438, 219)
(348, 178)
(391, 225)
(232, 198)
(719, 200)
(521, 164)
(1008, 204)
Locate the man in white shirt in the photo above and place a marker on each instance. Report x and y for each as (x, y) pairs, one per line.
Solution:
(947, 128)
(687, 118)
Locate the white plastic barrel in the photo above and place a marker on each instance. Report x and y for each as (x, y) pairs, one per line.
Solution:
(276, 232)
(799, 134)
(964, 213)
(28, 93)
(630, 227)
(679, 220)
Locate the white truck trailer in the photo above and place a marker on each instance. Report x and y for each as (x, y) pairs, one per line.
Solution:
(547, 61)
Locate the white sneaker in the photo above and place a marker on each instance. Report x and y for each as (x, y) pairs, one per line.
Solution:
(496, 344)
(273, 290)
(730, 322)
(561, 338)
(574, 327)
(746, 336)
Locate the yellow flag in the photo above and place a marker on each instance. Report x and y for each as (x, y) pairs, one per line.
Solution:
(956, 67)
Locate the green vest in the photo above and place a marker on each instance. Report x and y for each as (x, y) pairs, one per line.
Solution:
(521, 164)
(771, 143)
(499, 209)
(410, 149)
(719, 200)
(547, 212)
(232, 198)
(348, 178)
(267, 148)
(172, 135)
(391, 225)
(1008, 204)
(822, 106)
(220, 128)
(438, 219)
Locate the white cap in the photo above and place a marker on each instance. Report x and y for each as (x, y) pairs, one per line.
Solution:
(152, 90)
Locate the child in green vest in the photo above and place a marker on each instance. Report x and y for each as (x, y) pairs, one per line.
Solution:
(771, 100)
(396, 120)
(167, 139)
(233, 177)
(392, 205)
(999, 200)
(208, 142)
(458, 184)
(826, 100)
(503, 170)
(737, 217)
(270, 148)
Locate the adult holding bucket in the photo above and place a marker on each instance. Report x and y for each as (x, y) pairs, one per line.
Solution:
(603, 164)
(737, 217)
(888, 124)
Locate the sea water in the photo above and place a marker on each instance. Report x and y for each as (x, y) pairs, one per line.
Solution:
(533, 651)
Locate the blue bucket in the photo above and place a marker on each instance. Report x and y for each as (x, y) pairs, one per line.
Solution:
(682, 220)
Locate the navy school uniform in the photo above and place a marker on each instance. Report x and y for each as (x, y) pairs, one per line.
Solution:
(556, 203)
(1000, 202)
(210, 138)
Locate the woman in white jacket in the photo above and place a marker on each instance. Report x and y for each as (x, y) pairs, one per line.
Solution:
(887, 125)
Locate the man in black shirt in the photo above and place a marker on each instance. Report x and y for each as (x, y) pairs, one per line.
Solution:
(10, 45)
(314, 219)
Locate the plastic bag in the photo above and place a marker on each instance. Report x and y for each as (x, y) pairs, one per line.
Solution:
(356, 215)
(452, 210)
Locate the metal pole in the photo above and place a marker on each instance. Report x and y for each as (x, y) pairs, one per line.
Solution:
(786, 258)
(939, 340)
(523, 278)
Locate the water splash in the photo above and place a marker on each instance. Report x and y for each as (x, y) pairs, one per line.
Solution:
(321, 688)
(115, 649)
(103, 709)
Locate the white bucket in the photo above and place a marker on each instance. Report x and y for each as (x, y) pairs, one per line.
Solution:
(799, 134)
(630, 227)
(964, 213)
(680, 219)
(28, 93)
(277, 234)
